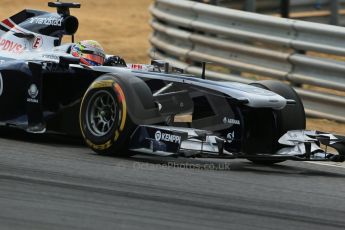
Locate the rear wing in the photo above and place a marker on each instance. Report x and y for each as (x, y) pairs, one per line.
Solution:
(63, 7)
(39, 27)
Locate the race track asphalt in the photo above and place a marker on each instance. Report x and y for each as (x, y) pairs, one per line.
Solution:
(52, 183)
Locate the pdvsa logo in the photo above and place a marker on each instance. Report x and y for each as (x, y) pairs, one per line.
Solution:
(11, 46)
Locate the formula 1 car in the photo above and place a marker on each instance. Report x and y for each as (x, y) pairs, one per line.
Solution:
(154, 109)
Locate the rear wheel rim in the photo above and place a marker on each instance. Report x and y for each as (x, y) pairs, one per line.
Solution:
(101, 113)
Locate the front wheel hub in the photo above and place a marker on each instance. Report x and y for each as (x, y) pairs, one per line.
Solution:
(101, 113)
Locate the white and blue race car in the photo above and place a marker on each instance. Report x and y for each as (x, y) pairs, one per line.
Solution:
(154, 109)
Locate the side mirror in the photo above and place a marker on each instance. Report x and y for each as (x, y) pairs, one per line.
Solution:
(159, 64)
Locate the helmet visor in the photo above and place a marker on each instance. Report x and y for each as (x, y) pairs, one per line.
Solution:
(94, 58)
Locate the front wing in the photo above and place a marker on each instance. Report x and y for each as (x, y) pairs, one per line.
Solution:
(300, 145)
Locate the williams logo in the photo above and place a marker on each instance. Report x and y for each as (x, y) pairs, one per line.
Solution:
(230, 137)
(33, 93)
(1, 85)
(159, 136)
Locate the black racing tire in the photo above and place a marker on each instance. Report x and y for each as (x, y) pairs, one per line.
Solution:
(292, 117)
(104, 120)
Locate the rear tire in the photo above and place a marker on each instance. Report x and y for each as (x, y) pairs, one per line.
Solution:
(292, 117)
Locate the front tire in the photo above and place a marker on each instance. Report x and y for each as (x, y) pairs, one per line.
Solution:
(104, 121)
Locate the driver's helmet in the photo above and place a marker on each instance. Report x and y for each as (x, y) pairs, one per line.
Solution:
(90, 52)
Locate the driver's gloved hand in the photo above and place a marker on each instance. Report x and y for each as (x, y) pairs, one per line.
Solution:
(115, 61)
